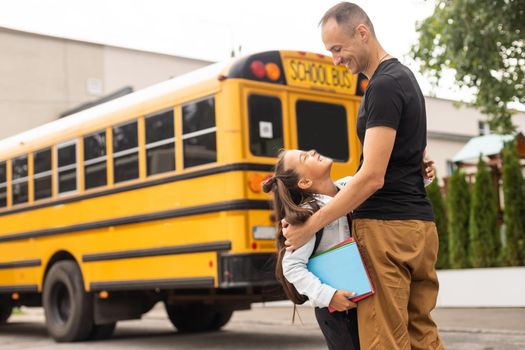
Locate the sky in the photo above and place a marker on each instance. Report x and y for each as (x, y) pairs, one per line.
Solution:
(210, 30)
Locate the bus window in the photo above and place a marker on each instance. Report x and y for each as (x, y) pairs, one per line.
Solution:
(199, 133)
(42, 174)
(67, 167)
(266, 125)
(160, 143)
(19, 167)
(3, 185)
(323, 127)
(95, 169)
(125, 152)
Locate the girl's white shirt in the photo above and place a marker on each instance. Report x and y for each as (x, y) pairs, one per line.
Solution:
(294, 263)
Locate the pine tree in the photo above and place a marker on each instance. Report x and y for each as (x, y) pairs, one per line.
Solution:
(514, 199)
(484, 241)
(434, 194)
(458, 201)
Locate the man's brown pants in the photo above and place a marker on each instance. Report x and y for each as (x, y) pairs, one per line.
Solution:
(400, 256)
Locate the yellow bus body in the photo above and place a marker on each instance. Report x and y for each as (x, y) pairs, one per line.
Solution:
(167, 232)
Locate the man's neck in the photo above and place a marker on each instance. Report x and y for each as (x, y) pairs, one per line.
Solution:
(378, 55)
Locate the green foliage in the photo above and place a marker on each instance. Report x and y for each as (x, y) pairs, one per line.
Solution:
(458, 201)
(484, 239)
(483, 42)
(434, 194)
(514, 199)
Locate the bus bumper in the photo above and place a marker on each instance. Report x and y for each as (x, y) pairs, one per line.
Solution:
(247, 270)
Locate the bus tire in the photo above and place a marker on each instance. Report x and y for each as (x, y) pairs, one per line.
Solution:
(5, 312)
(197, 317)
(102, 331)
(67, 307)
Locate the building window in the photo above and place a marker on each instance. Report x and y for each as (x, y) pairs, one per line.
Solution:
(67, 167)
(199, 133)
(95, 169)
(3, 184)
(42, 174)
(323, 127)
(125, 152)
(160, 143)
(483, 128)
(266, 125)
(19, 182)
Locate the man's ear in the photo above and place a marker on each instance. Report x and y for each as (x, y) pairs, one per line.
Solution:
(363, 31)
(305, 183)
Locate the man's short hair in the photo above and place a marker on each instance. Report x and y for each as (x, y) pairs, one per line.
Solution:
(349, 15)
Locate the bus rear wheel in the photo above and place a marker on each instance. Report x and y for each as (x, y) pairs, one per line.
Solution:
(198, 317)
(5, 311)
(68, 308)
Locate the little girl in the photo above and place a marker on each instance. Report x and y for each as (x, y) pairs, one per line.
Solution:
(300, 185)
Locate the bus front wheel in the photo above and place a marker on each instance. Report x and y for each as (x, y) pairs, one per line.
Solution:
(67, 307)
(198, 317)
(5, 311)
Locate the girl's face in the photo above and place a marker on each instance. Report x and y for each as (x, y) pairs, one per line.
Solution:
(309, 165)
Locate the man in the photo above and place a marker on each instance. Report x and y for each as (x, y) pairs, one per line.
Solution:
(393, 219)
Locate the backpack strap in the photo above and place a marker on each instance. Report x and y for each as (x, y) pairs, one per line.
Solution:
(318, 237)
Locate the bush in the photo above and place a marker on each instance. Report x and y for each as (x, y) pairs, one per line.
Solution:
(514, 199)
(458, 201)
(435, 197)
(484, 238)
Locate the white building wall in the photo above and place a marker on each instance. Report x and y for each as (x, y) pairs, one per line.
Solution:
(42, 76)
(449, 128)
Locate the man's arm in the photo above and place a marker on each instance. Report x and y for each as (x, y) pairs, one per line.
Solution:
(377, 148)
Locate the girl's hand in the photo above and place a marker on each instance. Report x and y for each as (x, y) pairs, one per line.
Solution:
(427, 168)
(340, 300)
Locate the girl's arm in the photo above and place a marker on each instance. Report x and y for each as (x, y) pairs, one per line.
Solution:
(306, 283)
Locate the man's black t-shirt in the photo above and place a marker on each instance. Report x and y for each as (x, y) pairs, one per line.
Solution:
(393, 99)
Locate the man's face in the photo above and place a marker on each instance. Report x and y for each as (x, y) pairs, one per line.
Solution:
(347, 49)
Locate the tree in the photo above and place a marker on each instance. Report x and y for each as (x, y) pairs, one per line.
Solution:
(514, 199)
(434, 194)
(483, 42)
(458, 201)
(484, 239)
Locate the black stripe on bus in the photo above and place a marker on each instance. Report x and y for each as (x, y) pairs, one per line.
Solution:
(191, 282)
(241, 204)
(21, 263)
(174, 178)
(142, 253)
(22, 288)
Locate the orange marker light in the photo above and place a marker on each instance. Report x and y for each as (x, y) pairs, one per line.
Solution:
(364, 84)
(103, 295)
(255, 183)
(15, 296)
(272, 71)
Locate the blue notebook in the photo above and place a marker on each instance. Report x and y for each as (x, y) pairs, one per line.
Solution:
(342, 267)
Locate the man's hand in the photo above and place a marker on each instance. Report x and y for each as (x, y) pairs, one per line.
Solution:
(296, 235)
(340, 300)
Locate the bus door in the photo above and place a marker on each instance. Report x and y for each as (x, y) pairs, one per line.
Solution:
(328, 125)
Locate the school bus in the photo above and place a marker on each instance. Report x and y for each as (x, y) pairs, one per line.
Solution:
(156, 196)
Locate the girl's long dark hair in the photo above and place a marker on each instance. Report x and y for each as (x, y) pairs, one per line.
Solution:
(288, 203)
